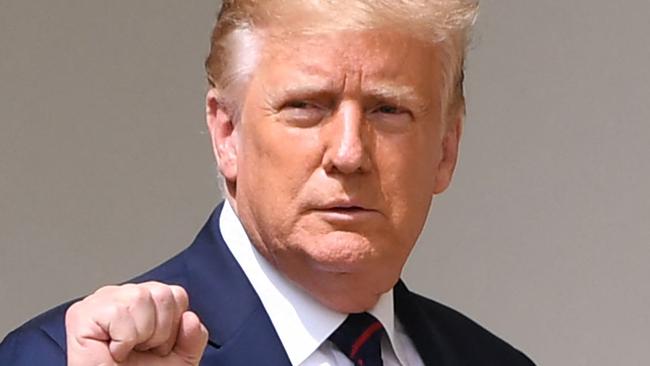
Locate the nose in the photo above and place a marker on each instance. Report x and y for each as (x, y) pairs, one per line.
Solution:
(346, 135)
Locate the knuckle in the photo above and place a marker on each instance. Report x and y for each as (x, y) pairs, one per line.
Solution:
(73, 313)
(136, 294)
(162, 294)
(105, 290)
(129, 339)
(180, 295)
(152, 284)
(116, 310)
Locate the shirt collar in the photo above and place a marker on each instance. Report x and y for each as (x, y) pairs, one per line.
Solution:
(302, 323)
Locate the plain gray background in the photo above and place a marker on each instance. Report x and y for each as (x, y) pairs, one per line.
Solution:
(544, 237)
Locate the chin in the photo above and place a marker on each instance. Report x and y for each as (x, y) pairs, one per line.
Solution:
(346, 272)
(342, 252)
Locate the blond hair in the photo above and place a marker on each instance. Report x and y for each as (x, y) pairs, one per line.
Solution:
(235, 35)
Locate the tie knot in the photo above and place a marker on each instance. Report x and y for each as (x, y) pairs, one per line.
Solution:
(359, 338)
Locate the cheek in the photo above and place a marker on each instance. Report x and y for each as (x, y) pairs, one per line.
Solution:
(279, 160)
(408, 164)
(291, 154)
(407, 180)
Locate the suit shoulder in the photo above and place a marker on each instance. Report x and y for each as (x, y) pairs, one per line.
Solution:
(476, 343)
(40, 341)
(172, 271)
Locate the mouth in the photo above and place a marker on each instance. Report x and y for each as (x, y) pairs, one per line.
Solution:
(345, 211)
(343, 205)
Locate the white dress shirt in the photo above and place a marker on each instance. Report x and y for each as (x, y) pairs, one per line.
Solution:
(302, 323)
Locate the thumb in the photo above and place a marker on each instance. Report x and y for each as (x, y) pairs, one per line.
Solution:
(192, 338)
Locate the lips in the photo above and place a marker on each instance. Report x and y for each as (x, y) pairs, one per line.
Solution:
(343, 205)
(350, 210)
(345, 211)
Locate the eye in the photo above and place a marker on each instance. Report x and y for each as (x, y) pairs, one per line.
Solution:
(302, 113)
(391, 116)
(389, 109)
(298, 104)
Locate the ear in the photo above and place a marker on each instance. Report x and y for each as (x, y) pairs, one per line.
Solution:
(450, 144)
(223, 135)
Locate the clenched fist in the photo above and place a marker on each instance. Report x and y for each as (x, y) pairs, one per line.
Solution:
(144, 324)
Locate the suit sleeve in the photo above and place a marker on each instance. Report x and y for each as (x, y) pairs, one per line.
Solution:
(30, 347)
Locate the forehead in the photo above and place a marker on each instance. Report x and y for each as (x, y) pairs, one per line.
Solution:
(375, 58)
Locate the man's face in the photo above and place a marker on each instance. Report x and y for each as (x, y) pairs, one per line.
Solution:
(340, 148)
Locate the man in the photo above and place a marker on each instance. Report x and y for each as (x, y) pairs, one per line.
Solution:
(334, 123)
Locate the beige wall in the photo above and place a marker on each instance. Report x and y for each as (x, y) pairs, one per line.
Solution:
(105, 168)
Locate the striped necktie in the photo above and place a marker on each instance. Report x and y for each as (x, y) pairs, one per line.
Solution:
(359, 338)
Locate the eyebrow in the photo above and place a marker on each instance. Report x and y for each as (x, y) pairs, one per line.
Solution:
(307, 89)
(399, 93)
(274, 97)
(312, 85)
(391, 91)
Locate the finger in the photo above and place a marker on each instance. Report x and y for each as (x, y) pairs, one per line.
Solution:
(85, 339)
(82, 326)
(192, 339)
(130, 320)
(117, 322)
(167, 319)
(181, 301)
(181, 297)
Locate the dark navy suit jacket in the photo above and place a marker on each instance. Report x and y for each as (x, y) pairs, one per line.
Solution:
(241, 333)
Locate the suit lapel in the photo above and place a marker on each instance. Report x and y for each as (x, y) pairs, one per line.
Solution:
(241, 332)
(422, 329)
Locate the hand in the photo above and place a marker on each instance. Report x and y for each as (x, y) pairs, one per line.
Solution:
(129, 325)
